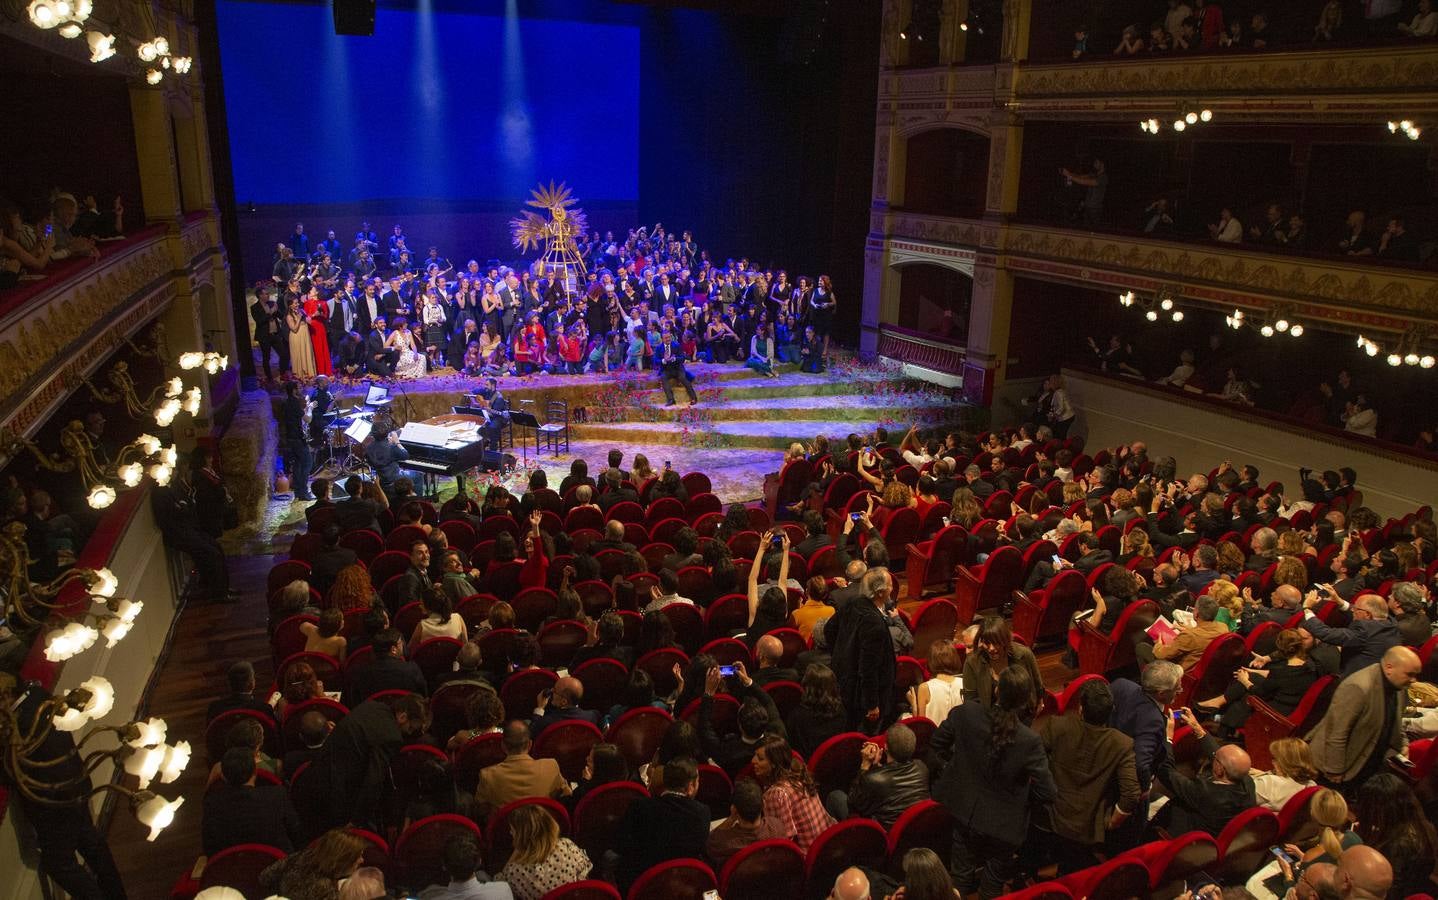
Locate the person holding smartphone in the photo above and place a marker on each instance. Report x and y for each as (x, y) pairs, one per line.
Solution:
(1209, 800)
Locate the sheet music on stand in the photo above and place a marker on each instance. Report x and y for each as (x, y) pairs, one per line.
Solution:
(358, 431)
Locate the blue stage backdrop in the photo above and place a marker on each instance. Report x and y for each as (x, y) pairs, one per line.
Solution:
(436, 105)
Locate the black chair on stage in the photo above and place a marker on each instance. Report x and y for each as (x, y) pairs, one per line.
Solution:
(556, 427)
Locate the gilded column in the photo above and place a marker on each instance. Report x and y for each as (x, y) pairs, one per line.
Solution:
(155, 153)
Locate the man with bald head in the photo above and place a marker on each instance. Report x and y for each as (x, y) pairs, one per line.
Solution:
(1315, 882)
(561, 705)
(851, 590)
(1209, 801)
(852, 884)
(1364, 723)
(1362, 873)
(1371, 633)
(1286, 602)
(769, 652)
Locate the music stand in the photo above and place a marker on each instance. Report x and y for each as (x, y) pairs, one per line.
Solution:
(526, 420)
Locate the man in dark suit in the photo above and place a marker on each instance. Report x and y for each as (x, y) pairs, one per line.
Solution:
(615, 459)
(379, 359)
(294, 440)
(270, 331)
(1213, 798)
(1366, 638)
(671, 826)
(241, 678)
(367, 308)
(389, 671)
(342, 316)
(1284, 603)
(327, 563)
(974, 476)
(1141, 712)
(393, 300)
(864, 660)
(1092, 764)
(561, 705)
(238, 811)
(415, 579)
(816, 535)
(384, 454)
(990, 791)
(615, 493)
(354, 513)
(353, 768)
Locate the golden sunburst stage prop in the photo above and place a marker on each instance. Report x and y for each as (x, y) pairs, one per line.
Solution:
(555, 233)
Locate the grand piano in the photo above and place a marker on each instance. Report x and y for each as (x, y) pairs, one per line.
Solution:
(447, 445)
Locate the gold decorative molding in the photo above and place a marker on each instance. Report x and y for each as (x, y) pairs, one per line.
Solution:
(940, 229)
(1370, 296)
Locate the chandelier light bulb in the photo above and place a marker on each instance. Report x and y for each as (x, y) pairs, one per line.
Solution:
(177, 757)
(115, 630)
(1266, 331)
(165, 62)
(102, 697)
(101, 496)
(1143, 126)
(65, 643)
(1394, 359)
(162, 45)
(963, 26)
(63, 9)
(129, 610)
(1362, 341)
(1206, 115)
(1427, 361)
(1151, 315)
(144, 764)
(83, 8)
(161, 474)
(1166, 305)
(1371, 349)
(157, 813)
(43, 14)
(175, 387)
(1296, 330)
(102, 46)
(106, 584)
(1153, 125)
(131, 473)
(1415, 133)
(1281, 325)
(191, 359)
(146, 52)
(170, 456)
(1191, 118)
(70, 720)
(1411, 358)
(1178, 315)
(153, 76)
(1406, 124)
(147, 733)
(191, 403)
(1179, 124)
(71, 30)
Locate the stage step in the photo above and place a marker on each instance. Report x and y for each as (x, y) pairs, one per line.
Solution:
(863, 409)
(774, 435)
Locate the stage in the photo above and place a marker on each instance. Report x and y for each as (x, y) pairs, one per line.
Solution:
(736, 434)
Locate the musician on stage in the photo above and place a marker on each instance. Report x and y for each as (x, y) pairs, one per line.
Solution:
(320, 402)
(379, 357)
(384, 455)
(671, 368)
(489, 398)
(294, 442)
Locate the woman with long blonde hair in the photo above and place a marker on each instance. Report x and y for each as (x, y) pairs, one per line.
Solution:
(542, 860)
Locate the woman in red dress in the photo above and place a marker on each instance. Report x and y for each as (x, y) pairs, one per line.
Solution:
(318, 312)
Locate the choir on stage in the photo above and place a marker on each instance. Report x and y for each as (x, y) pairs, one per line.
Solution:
(650, 300)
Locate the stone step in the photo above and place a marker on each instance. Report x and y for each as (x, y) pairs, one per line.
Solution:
(774, 435)
(856, 408)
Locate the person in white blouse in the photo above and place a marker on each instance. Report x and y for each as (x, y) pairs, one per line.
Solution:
(1360, 418)
(1292, 771)
(934, 698)
(439, 620)
(1227, 229)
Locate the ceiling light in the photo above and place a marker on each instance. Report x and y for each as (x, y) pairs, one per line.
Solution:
(131, 473)
(161, 473)
(1411, 359)
(148, 443)
(102, 46)
(1296, 330)
(1414, 133)
(147, 52)
(147, 733)
(1178, 315)
(42, 14)
(1191, 118)
(1427, 361)
(1281, 325)
(162, 46)
(105, 583)
(1179, 125)
(1394, 359)
(1266, 331)
(114, 631)
(102, 697)
(1362, 341)
(101, 496)
(1371, 349)
(1206, 115)
(1167, 304)
(1151, 315)
(70, 30)
(1406, 124)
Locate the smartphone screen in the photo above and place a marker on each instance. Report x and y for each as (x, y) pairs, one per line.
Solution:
(726, 671)
(855, 516)
(1058, 560)
(1177, 715)
(1282, 854)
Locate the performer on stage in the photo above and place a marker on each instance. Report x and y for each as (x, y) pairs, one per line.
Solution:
(384, 454)
(671, 368)
(320, 401)
(294, 442)
(489, 398)
(410, 362)
(821, 314)
(316, 314)
(270, 329)
(302, 349)
(379, 357)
